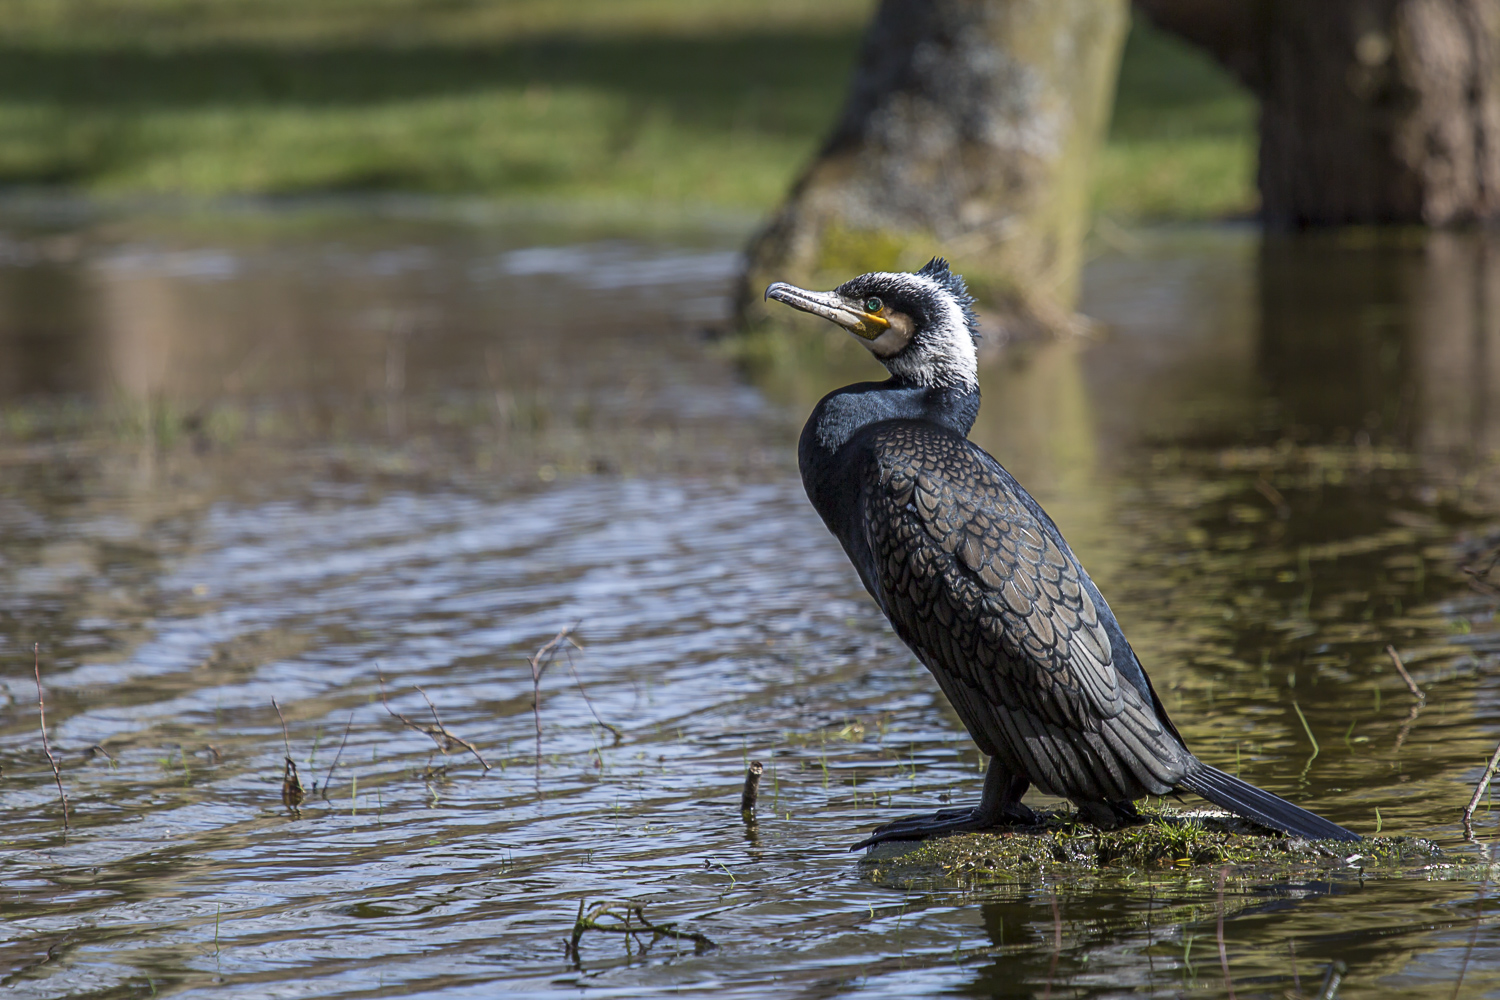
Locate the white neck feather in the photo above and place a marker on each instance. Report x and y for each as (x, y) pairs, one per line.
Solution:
(942, 354)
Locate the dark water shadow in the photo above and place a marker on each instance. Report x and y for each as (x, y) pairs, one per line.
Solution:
(1386, 339)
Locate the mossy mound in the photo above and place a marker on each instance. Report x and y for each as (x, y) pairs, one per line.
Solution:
(1166, 840)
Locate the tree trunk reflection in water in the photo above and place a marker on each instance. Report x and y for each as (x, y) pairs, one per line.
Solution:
(1393, 339)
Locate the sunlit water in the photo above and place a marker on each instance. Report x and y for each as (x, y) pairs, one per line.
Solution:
(299, 454)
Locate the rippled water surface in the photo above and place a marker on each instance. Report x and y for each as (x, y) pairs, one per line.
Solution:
(334, 454)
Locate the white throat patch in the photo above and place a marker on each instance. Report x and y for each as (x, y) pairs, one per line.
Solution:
(942, 354)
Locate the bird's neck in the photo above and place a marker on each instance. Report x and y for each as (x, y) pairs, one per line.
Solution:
(829, 453)
(844, 412)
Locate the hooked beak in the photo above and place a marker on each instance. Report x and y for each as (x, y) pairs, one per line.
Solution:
(831, 306)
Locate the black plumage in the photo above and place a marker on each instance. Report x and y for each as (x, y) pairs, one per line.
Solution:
(977, 580)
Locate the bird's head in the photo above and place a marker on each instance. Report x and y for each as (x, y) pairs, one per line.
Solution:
(920, 325)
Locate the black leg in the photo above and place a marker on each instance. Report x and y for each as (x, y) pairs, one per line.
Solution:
(999, 806)
(1109, 815)
(1096, 814)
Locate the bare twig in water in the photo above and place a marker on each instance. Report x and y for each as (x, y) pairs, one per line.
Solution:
(41, 713)
(586, 699)
(329, 777)
(1411, 685)
(450, 739)
(286, 741)
(540, 661)
(292, 792)
(751, 790)
(1479, 789)
(438, 733)
(616, 918)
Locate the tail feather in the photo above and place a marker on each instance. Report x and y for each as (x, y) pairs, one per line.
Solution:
(1244, 799)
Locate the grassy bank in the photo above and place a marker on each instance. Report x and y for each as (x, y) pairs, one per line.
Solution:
(1182, 141)
(672, 102)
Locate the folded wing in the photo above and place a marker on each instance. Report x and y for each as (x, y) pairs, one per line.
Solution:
(996, 607)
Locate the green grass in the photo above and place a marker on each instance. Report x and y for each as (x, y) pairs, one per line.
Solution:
(652, 102)
(1182, 140)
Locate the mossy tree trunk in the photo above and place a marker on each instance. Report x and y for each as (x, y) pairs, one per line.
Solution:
(1372, 111)
(968, 133)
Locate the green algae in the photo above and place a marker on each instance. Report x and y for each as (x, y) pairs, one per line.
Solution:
(1167, 840)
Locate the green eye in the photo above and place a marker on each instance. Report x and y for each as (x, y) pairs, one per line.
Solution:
(873, 305)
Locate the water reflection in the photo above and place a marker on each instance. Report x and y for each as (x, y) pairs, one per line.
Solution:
(310, 454)
(1387, 339)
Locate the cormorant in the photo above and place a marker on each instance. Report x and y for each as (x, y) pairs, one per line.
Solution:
(977, 580)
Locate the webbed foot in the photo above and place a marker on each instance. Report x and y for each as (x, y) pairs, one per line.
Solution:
(947, 822)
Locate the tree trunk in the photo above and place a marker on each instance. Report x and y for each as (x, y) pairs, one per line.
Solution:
(1372, 111)
(967, 133)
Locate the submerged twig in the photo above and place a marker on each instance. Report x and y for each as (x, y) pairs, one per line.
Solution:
(1419, 697)
(50, 955)
(41, 712)
(1489, 860)
(292, 792)
(751, 790)
(329, 777)
(616, 918)
(1411, 685)
(1479, 578)
(1479, 583)
(1411, 717)
(1056, 943)
(539, 662)
(1332, 978)
(1479, 790)
(1224, 951)
(448, 740)
(1273, 496)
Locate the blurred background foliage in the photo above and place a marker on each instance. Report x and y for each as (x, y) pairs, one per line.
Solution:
(649, 105)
